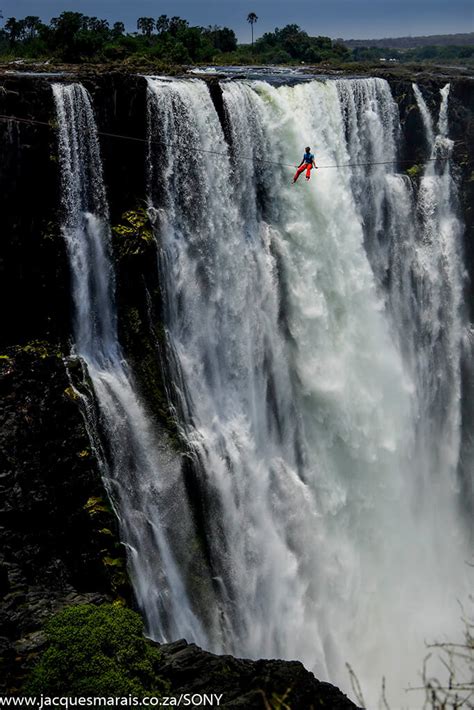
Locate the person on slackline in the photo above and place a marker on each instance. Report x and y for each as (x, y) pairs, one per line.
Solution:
(306, 164)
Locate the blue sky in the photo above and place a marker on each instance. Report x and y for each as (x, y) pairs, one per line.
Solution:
(335, 18)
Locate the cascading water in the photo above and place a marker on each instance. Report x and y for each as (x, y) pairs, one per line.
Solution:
(222, 313)
(440, 270)
(142, 477)
(314, 335)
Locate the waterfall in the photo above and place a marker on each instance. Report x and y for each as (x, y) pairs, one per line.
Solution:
(222, 318)
(314, 335)
(439, 274)
(426, 117)
(142, 477)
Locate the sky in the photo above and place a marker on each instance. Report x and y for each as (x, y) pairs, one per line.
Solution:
(356, 19)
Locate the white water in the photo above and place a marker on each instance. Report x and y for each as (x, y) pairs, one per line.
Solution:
(142, 477)
(314, 336)
(440, 273)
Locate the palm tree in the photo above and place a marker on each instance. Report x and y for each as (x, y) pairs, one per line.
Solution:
(146, 25)
(252, 18)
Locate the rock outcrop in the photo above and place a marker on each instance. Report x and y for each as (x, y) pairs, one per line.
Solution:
(250, 685)
(58, 536)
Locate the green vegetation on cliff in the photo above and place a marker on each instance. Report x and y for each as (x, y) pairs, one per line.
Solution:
(291, 44)
(134, 236)
(414, 172)
(97, 650)
(74, 37)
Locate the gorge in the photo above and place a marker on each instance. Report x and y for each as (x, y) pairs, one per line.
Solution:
(273, 382)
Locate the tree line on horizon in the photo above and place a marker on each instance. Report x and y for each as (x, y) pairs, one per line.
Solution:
(74, 37)
(458, 39)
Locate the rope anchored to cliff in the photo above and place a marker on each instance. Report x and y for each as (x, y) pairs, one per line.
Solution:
(105, 134)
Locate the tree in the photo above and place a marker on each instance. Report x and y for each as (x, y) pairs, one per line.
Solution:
(75, 36)
(225, 40)
(177, 25)
(32, 25)
(98, 26)
(67, 25)
(252, 18)
(118, 30)
(455, 690)
(14, 29)
(146, 25)
(222, 38)
(162, 24)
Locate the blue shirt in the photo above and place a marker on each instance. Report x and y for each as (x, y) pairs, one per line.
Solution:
(308, 158)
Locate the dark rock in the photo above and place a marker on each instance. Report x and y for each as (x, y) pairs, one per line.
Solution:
(52, 554)
(247, 684)
(33, 272)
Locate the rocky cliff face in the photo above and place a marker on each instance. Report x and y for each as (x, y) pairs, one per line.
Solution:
(58, 534)
(58, 537)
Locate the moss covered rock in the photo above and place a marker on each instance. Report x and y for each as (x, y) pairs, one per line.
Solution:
(415, 172)
(134, 236)
(97, 650)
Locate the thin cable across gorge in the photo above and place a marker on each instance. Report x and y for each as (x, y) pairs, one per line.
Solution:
(34, 122)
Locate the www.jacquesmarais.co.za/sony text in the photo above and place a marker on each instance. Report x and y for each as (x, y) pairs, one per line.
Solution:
(190, 700)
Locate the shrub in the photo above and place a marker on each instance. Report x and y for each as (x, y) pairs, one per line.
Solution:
(415, 172)
(97, 650)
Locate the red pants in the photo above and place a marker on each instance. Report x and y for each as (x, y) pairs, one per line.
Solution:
(308, 167)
